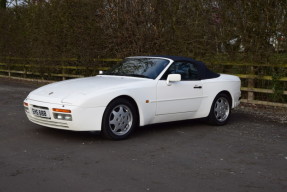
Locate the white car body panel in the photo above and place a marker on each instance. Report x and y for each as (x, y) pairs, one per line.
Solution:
(157, 102)
(179, 97)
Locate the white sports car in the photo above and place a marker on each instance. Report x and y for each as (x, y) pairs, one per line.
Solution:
(141, 90)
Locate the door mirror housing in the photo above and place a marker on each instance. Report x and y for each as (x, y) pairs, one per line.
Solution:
(173, 78)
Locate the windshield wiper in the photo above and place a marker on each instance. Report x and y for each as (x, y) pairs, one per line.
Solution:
(117, 74)
(137, 75)
(130, 75)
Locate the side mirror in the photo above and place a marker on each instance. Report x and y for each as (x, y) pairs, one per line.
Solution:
(101, 72)
(173, 78)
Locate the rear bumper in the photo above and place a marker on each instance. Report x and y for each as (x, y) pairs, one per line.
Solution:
(83, 118)
(236, 99)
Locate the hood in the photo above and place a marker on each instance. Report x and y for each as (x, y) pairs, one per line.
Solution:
(59, 92)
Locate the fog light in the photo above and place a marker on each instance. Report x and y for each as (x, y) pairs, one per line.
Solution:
(62, 116)
(68, 118)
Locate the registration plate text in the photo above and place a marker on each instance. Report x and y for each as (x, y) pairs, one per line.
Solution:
(41, 113)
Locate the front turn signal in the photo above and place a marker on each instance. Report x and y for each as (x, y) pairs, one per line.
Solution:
(62, 110)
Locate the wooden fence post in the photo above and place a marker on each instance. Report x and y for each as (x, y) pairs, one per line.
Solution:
(250, 94)
(9, 70)
(25, 71)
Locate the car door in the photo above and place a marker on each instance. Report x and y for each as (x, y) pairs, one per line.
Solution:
(182, 96)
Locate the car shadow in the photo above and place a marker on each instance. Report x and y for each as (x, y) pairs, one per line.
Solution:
(144, 131)
(140, 132)
(162, 128)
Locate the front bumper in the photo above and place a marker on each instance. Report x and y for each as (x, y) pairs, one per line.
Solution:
(83, 118)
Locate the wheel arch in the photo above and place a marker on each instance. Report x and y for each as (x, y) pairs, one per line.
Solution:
(214, 97)
(132, 100)
(229, 96)
(211, 118)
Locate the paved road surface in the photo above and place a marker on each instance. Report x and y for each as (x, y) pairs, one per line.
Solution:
(248, 154)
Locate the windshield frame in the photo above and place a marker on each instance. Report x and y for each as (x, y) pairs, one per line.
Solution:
(145, 57)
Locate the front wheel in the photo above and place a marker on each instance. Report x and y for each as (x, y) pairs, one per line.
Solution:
(220, 110)
(119, 120)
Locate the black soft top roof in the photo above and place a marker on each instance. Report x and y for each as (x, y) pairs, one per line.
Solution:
(203, 71)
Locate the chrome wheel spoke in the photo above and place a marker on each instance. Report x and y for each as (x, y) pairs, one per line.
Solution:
(120, 120)
(221, 109)
(217, 109)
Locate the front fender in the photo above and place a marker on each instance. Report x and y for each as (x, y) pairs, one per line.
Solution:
(143, 97)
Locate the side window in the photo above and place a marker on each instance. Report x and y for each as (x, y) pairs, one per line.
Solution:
(188, 71)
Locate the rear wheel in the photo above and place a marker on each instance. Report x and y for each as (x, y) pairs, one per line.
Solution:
(220, 110)
(119, 120)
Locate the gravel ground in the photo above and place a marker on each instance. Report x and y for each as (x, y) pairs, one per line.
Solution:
(275, 114)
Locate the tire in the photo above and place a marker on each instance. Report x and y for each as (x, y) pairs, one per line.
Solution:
(119, 120)
(220, 110)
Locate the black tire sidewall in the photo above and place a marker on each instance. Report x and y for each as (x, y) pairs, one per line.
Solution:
(211, 117)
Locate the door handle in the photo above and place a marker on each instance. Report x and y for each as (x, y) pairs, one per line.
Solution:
(197, 87)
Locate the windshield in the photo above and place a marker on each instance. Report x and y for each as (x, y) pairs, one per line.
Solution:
(139, 67)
